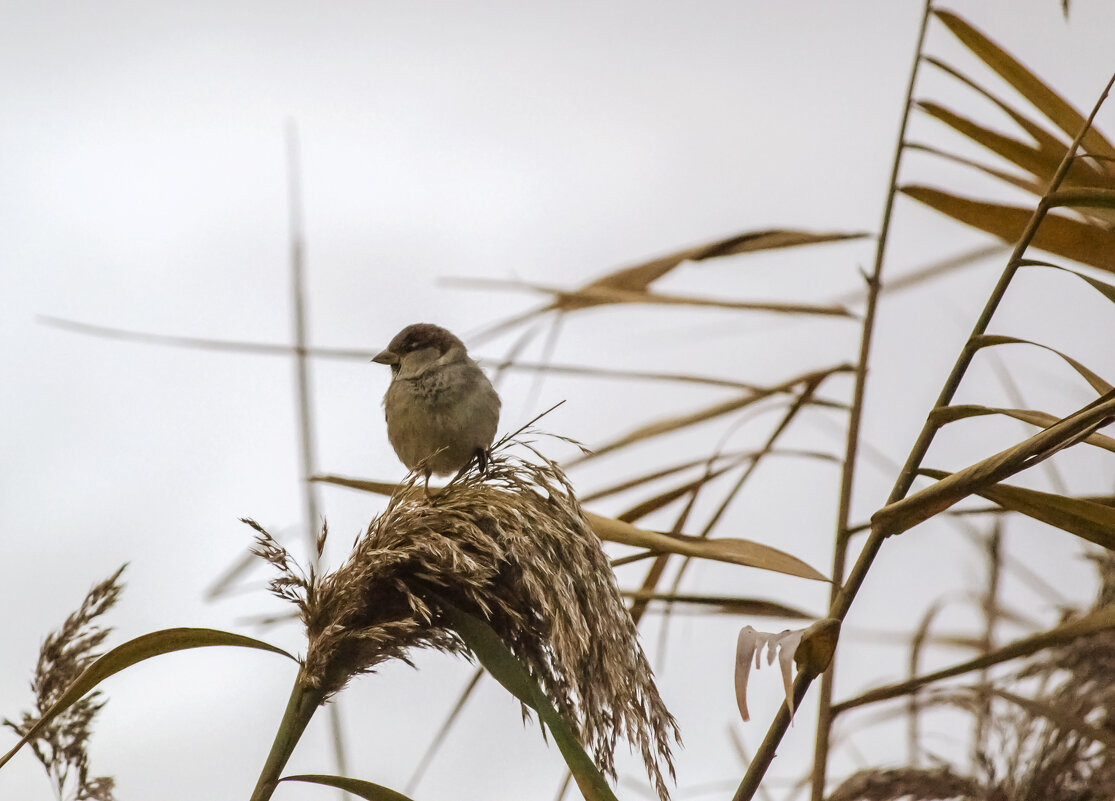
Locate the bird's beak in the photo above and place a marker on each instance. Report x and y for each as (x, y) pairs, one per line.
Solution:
(386, 357)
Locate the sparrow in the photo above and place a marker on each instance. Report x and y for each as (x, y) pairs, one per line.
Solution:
(442, 411)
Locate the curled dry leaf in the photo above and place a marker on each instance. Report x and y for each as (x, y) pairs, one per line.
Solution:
(749, 648)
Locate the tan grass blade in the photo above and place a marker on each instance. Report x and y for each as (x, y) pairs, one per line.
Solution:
(1105, 289)
(1088, 244)
(133, 652)
(948, 414)
(376, 487)
(640, 276)
(668, 496)
(1094, 522)
(1094, 381)
(736, 457)
(665, 498)
(363, 789)
(665, 472)
(586, 371)
(736, 551)
(907, 513)
(1047, 143)
(670, 424)
(1044, 99)
(567, 300)
(1084, 197)
(755, 607)
(1031, 159)
(1025, 184)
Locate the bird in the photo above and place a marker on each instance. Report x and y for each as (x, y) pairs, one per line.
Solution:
(442, 411)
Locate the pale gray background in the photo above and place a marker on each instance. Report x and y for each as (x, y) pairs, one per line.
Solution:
(144, 186)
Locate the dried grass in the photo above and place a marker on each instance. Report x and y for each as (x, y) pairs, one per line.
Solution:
(1030, 755)
(913, 783)
(62, 745)
(513, 548)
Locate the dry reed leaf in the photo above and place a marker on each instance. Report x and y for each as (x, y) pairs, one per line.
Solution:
(569, 300)
(1092, 197)
(1091, 521)
(642, 275)
(1046, 142)
(907, 513)
(510, 363)
(1034, 160)
(666, 497)
(1044, 99)
(385, 488)
(638, 278)
(754, 607)
(1088, 244)
(1020, 182)
(943, 415)
(1096, 382)
(665, 472)
(675, 423)
(722, 549)
(362, 789)
(736, 457)
(1105, 289)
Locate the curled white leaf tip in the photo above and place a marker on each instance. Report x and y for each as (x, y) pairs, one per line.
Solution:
(749, 649)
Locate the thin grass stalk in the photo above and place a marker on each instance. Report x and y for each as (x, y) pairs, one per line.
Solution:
(298, 310)
(913, 705)
(443, 732)
(658, 567)
(851, 452)
(799, 403)
(990, 617)
(844, 598)
(306, 438)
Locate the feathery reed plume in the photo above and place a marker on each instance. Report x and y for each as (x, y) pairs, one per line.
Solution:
(1058, 756)
(1051, 736)
(511, 547)
(915, 784)
(62, 746)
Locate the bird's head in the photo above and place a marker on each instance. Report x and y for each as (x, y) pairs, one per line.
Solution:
(418, 346)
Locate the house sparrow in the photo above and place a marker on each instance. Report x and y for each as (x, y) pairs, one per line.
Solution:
(441, 410)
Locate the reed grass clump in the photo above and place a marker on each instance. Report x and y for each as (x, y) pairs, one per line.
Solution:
(62, 746)
(511, 547)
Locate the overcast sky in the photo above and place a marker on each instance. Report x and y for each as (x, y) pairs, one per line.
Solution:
(144, 187)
